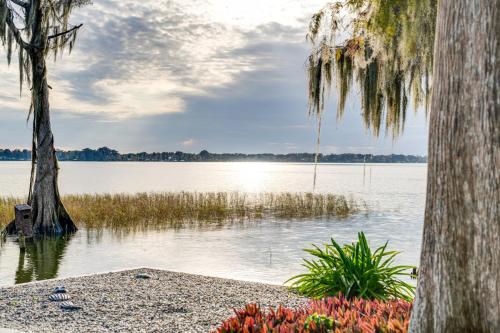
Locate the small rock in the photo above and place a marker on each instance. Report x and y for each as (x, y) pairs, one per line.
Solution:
(70, 306)
(59, 290)
(142, 276)
(59, 297)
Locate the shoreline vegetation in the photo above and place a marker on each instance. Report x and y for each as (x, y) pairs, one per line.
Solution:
(175, 209)
(106, 154)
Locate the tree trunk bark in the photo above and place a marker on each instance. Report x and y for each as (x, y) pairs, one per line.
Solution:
(459, 279)
(49, 214)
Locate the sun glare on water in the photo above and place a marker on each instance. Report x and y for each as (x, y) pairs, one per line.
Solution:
(251, 177)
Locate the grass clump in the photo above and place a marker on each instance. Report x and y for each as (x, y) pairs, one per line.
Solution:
(303, 205)
(354, 271)
(157, 210)
(7, 210)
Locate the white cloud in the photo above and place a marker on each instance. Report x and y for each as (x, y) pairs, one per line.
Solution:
(189, 142)
(145, 73)
(249, 14)
(137, 58)
(130, 98)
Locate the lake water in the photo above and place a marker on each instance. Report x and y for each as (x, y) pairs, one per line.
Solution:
(265, 250)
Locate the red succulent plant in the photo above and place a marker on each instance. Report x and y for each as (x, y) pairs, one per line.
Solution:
(336, 314)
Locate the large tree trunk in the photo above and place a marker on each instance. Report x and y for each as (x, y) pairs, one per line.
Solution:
(49, 214)
(459, 279)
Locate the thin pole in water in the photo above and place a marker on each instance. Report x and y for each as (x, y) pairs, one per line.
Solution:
(364, 169)
(318, 141)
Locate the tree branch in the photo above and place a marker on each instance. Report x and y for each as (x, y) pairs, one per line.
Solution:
(20, 3)
(15, 31)
(66, 32)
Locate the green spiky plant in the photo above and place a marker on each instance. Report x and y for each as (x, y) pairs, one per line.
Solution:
(354, 271)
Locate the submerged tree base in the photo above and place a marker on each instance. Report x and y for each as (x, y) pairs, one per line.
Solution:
(64, 225)
(156, 210)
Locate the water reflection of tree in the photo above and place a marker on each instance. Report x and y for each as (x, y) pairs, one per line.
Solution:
(40, 259)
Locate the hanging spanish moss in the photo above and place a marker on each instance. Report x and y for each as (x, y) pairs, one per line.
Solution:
(383, 48)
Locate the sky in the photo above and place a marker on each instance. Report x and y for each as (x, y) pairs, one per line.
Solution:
(220, 75)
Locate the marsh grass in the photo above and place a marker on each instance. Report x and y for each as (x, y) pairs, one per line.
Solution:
(7, 209)
(170, 209)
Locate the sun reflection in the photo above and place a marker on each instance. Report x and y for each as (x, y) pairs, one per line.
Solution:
(251, 176)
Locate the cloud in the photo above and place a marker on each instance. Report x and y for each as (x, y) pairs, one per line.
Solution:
(189, 142)
(141, 58)
(153, 75)
(144, 57)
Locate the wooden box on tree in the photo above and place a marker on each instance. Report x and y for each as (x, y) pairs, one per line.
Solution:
(23, 222)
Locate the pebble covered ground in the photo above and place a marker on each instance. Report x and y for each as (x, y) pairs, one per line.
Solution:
(121, 302)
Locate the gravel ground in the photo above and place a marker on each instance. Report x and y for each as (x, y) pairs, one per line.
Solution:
(119, 302)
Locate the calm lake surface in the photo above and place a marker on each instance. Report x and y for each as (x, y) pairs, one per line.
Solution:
(265, 250)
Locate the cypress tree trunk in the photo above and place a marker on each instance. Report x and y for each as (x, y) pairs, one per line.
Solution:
(459, 279)
(49, 214)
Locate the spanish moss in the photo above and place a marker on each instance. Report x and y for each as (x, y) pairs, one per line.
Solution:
(382, 48)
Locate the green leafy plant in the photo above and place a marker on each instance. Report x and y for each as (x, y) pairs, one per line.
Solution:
(355, 271)
(319, 321)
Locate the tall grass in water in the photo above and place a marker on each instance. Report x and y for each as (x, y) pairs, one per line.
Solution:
(7, 210)
(169, 209)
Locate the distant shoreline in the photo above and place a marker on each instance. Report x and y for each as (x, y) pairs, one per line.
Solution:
(235, 161)
(110, 155)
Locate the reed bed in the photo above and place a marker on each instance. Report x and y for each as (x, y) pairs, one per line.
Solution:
(156, 210)
(7, 209)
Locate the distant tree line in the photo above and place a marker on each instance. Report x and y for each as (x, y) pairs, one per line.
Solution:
(15, 155)
(107, 154)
